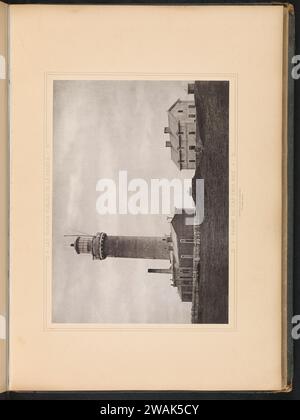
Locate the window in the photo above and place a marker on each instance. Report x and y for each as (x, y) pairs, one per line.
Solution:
(186, 257)
(192, 115)
(186, 296)
(186, 283)
(192, 147)
(192, 161)
(192, 106)
(180, 110)
(192, 132)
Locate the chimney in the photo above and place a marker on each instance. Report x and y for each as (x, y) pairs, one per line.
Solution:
(191, 88)
(160, 270)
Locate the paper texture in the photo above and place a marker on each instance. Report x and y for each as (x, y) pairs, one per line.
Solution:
(3, 195)
(241, 44)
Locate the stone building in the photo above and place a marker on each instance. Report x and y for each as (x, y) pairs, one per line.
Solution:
(182, 134)
(181, 256)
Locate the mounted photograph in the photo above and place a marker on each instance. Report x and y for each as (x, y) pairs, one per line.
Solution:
(140, 222)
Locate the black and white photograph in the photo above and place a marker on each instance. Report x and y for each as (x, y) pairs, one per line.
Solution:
(140, 202)
(148, 203)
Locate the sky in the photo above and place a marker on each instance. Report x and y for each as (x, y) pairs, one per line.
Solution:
(100, 128)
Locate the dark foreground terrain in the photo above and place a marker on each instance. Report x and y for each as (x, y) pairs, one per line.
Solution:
(210, 297)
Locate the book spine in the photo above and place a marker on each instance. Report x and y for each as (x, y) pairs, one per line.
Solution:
(290, 190)
(4, 196)
(288, 202)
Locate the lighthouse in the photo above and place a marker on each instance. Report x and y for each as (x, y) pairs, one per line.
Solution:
(101, 246)
(176, 248)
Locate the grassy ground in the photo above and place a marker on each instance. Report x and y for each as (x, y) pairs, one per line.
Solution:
(210, 297)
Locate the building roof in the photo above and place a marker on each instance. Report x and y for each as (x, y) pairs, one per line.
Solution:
(176, 141)
(176, 156)
(175, 253)
(175, 103)
(178, 221)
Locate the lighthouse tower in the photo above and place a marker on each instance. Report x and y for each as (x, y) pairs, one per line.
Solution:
(177, 249)
(102, 246)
